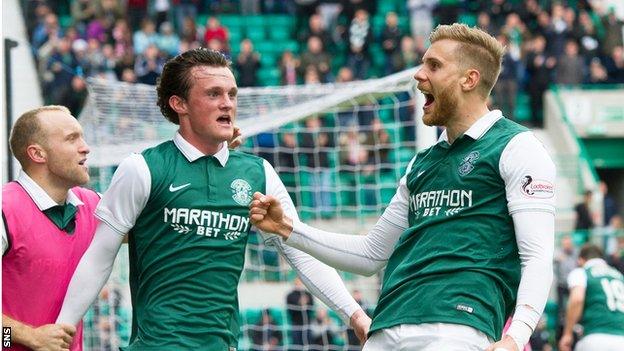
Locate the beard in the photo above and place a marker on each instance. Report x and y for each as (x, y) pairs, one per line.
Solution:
(445, 108)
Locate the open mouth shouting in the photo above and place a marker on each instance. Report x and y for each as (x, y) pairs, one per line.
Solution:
(429, 100)
(224, 120)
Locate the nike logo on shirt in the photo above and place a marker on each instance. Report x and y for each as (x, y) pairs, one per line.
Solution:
(176, 188)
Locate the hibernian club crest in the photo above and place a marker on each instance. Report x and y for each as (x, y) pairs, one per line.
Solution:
(241, 191)
(467, 164)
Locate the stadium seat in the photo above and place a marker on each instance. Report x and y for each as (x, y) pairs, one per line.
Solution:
(279, 33)
(232, 21)
(268, 60)
(254, 21)
(268, 76)
(255, 33)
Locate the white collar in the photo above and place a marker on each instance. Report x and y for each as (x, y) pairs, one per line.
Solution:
(594, 262)
(478, 128)
(40, 196)
(192, 153)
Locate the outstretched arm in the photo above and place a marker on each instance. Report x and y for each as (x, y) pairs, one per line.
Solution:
(320, 279)
(364, 255)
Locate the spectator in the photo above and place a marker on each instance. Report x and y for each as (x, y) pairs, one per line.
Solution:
(584, 221)
(168, 41)
(565, 262)
(316, 57)
(359, 38)
(122, 36)
(100, 60)
(315, 28)
(421, 17)
(586, 34)
(149, 65)
(214, 30)
(570, 66)
(128, 76)
(82, 12)
(299, 305)
(74, 96)
(323, 331)
(615, 65)
(288, 65)
(188, 30)
(125, 62)
(98, 29)
(110, 10)
(352, 152)
(378, 142)
(597, 72)
(60, 69)
(184, 9)
(506, 88)
(558, 30)
(407, 56)
(137, 12)
(315, 143)
(286, 162)
(145, 37)
(499, 10)
(247, 65)
(48, 30)
(615, 254)
(390, 38)
(609, 205)
(539, 66)
(485, 22)
(613, 32)
(161, 8)
(265, 335)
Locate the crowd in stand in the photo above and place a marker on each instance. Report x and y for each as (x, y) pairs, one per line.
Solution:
(549, 42)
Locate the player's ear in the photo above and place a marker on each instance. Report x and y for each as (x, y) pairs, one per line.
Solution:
(36, 153)
(470, 80)
(178, 104)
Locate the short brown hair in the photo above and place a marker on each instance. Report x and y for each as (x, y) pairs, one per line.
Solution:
(589, 251)
(477, 49)
(27, 130)
(176, 77)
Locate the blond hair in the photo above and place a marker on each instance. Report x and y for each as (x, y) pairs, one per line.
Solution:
(27, 130)
(477, 49)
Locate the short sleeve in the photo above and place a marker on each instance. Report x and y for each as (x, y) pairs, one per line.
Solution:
(577, 277)
(127, 195)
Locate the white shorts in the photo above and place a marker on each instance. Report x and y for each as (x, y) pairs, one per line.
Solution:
(428, 337)
(600, 342)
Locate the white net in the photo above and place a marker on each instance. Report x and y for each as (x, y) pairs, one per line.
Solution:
(340, 149)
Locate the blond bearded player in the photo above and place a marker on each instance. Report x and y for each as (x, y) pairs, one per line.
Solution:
(467, 240)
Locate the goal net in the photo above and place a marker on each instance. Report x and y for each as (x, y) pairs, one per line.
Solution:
(340, 149)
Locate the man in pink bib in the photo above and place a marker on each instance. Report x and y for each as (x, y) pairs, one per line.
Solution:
(48, 224)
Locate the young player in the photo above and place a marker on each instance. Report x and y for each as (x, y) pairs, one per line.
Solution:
(183, 206)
